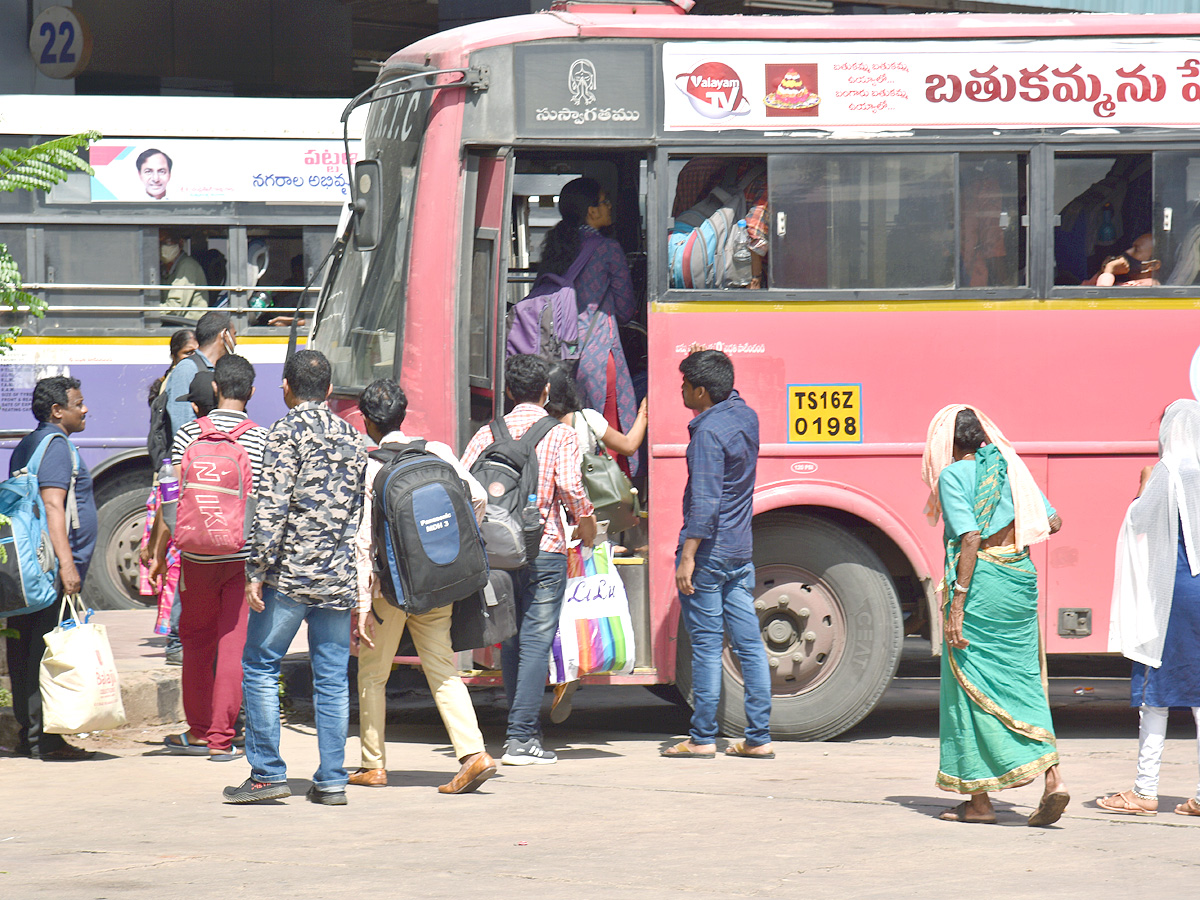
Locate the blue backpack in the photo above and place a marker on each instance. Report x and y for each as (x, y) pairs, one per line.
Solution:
(29, 566)
(428, 551)
(700, 244)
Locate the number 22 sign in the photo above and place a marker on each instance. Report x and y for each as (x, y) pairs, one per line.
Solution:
(60, 42)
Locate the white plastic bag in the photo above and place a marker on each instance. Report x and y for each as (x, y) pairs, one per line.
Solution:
(595, 630)
(78, 678)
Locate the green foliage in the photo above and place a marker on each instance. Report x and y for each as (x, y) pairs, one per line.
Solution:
(36, 168)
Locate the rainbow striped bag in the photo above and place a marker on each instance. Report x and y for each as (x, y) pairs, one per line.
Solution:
(595, 630)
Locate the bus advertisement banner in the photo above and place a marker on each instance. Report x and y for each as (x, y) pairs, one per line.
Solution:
(220, 171)
(931, 84)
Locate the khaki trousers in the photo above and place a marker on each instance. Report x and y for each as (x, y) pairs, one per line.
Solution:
(431, 635)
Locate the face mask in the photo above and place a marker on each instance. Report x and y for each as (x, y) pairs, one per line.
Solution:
(230, 343)
(169, 253)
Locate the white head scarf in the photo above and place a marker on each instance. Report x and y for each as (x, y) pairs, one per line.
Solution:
(1031, 523)
(1144, 587)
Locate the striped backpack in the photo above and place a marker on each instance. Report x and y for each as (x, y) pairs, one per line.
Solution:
(700, 245)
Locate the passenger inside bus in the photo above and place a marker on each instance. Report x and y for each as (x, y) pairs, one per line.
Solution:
(702, 174)
(1104, 202)
(1136, 267)
(184, 274)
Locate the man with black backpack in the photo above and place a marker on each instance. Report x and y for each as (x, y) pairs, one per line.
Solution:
(218, 462)
(381, 617)
(65, 486)
(540, 582)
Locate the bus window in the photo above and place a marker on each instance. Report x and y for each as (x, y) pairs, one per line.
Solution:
(276, 264)
(91, 256)
(693, 182)
(991, 209)
(1177, 221)
(1103, 205)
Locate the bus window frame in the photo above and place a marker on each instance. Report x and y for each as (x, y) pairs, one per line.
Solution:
(1116, 144)
(667, 150)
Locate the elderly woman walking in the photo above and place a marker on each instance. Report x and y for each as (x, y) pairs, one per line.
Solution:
(995, 725)
(1156, 602)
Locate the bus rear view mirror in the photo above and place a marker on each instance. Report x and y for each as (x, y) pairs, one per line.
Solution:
(368, 197)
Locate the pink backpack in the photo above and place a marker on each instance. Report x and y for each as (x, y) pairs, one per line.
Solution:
(216, 492)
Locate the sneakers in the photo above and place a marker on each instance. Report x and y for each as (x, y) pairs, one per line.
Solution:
(527, 753)
(174, 657)
(325, 798)
(251, 791)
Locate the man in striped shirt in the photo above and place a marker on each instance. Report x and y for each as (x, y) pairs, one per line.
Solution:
(540, 583)
(212, 624)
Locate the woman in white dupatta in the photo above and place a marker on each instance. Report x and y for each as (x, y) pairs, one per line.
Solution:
(1156, 602)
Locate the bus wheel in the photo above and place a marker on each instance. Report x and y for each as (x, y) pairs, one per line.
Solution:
(831, 624)
(112, 579)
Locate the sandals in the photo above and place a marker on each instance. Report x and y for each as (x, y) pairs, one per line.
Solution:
(959, 814)
(742, 749)
(226, 755)
(182, 745)
(1188, 808)
(1126, 803)
(683, 750)
(1049, 810)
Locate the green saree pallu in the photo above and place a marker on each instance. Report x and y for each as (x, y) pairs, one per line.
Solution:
(995, 725)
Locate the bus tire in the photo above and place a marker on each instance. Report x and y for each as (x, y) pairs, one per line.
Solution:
(112, 579)
(831, 624)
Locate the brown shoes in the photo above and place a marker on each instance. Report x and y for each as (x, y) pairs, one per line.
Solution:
(369, 777)
(476, 769)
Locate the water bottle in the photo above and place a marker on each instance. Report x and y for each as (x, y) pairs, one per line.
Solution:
(740, 272)
(531, 520)
(168, 492)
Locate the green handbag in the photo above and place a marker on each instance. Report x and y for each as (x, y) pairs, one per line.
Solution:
(608, 487)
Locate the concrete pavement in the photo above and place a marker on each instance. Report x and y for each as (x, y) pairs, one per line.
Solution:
(854, 817)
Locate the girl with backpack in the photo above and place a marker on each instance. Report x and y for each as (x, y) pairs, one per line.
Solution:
(604, 291)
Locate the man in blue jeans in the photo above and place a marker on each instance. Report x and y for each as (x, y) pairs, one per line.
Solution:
(301, 569)
(715, 561)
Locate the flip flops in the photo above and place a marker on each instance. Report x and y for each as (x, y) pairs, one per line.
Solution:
(1049, 810)
(959, 814)
(1125, 803)
(683, 750)
(742, 750)
(183, 746)
(227, 756)
(1188, 808)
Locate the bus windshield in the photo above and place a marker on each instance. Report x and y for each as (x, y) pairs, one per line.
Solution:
(363, 311)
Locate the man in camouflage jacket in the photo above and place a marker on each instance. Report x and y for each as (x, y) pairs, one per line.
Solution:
(301, 569)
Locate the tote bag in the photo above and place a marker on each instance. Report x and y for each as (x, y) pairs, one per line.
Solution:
(595, 630)
(78, 677)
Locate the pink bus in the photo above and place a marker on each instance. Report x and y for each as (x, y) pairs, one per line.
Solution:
(941, 191)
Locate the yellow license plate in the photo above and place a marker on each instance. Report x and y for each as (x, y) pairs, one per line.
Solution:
(824, 414)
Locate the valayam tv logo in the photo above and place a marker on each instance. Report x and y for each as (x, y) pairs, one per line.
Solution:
(714, 90)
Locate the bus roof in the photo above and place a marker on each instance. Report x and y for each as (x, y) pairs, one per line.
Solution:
(209, 117)
(922, 26)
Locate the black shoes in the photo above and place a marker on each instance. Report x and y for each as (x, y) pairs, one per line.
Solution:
(325, 798)
(251, 791)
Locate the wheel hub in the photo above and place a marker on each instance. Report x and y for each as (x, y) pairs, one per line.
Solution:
(803, 628)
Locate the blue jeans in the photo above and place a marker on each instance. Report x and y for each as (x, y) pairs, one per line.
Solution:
(724, 601)
(525, 657)
(268, 636)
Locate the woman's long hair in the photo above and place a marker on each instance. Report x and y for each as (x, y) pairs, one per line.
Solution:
(564, 394)
(178, 341)
(562, 242)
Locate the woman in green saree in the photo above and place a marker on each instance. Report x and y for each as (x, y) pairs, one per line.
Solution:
(995, 725)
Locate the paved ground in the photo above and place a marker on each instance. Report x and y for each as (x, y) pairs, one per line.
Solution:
(849, 818)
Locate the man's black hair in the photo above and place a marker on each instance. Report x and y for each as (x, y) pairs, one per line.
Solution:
(234, 377)
(525, 377)
(308, 374)
(711, 370)
(968, 432)
(50, 391)
(146, 154)
(210, 326)
(384, 404)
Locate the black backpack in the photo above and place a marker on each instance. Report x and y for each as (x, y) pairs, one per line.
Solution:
(161, 437)
(508, 471)
(428, 551)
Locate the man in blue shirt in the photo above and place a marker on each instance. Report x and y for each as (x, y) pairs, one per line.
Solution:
(715, 560)
(59, 408)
